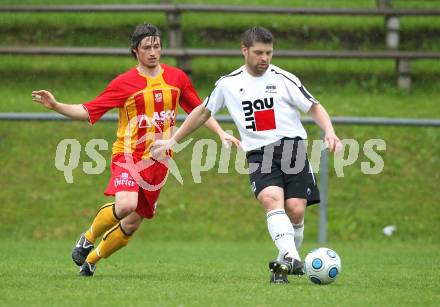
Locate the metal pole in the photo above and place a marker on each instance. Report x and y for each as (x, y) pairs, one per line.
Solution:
(323, 188)
(336, 120)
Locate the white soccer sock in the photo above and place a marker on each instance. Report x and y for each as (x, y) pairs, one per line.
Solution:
(298, 236)
(282, 233)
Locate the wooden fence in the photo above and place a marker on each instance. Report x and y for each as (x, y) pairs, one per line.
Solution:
(184, 55)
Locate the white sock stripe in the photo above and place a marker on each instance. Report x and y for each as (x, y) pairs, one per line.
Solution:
(299, 225)
(275, 212)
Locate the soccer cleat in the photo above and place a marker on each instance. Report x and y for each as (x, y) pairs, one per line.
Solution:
(279, 267)
(280, 278)
(87, 269)
(296, 267)
(81, 250)
(288, 266)
(279, 272)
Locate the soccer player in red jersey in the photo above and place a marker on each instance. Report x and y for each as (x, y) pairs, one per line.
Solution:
(147, 97)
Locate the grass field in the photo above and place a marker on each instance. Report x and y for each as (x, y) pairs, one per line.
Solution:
(360, 205)
(298, 3)
(214, 274)
(309, 32)
(345, 87)
(404, 194)
(208, 244)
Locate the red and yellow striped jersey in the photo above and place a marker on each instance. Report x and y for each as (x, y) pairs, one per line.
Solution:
(147, 107)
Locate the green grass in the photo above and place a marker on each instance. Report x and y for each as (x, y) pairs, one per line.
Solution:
(345, 87)
(298, 3)
(301, 32)
(210, 30)
(41, 215)
(359, 3)
(222, 205)
(361, 206)
(214, 274)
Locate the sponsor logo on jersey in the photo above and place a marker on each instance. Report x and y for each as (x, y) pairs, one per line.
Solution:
(259, 114)
(271, 88)
(158, 97)
(157, 119)
(124, 180)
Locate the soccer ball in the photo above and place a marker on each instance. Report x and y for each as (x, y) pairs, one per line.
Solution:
(322, 266)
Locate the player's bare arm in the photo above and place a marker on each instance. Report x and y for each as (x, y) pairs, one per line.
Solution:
(318, 113)
(225, 138)
(195, 119)
(47, 99)
(199, 116)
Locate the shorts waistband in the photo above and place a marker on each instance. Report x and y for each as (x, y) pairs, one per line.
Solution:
(261, 149)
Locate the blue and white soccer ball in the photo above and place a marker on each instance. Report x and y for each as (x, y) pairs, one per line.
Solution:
(322, 266)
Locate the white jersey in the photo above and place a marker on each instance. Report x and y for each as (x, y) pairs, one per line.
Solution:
(265, 108)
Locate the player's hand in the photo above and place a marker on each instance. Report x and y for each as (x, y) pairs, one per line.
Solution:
(227, 139)
(332, 142)
(45, 98)
(159, 148)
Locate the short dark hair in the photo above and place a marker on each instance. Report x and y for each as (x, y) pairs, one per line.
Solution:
(256, 34)
(142, 31)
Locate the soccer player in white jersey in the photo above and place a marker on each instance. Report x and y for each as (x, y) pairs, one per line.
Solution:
(265, 103)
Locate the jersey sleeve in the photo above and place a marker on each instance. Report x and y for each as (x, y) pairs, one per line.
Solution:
(189, 98)
(111, 97)
(215, 101)
(300, 96)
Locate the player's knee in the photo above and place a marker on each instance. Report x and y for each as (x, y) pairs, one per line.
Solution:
(296, 216)
(130, 227)
(269, 200)
(295, 209)
(298, 212)
(125, 206)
